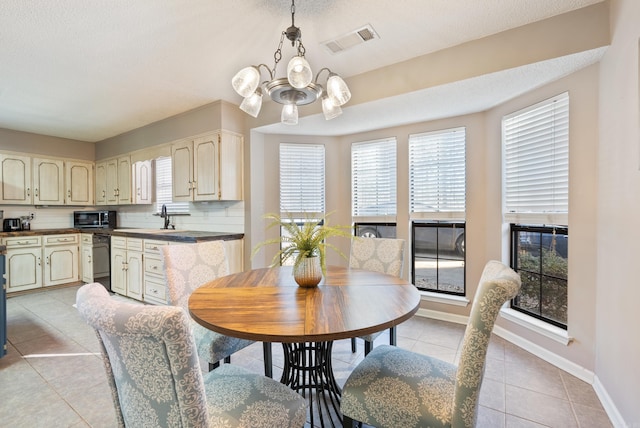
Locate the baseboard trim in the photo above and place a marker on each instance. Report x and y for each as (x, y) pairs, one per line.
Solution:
(608, 404)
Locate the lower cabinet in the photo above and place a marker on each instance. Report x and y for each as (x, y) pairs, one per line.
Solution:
(126, 267)
(155, 287)
(23, 263)
(61, 259)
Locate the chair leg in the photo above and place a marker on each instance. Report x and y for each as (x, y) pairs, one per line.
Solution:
(353, 344)
(214, 365)
(347, 422)
(393, 338)
(368, 346)
(227, 360)
(268, 359)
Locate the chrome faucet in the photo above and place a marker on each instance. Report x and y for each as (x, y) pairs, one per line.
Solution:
(165, 216)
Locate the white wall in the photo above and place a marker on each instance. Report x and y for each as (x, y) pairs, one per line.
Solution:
(618, 234)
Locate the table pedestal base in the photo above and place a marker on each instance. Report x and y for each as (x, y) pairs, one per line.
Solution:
(308, 370)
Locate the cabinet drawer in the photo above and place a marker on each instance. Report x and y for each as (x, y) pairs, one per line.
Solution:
(119, 242)
(153, 265)
(60, 239)
(134, 244)
(155, 291)
(22, 242)
(152, 246)
(86, 238)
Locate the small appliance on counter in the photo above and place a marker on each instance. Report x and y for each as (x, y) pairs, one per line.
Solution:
(11, 224)
(25, 223)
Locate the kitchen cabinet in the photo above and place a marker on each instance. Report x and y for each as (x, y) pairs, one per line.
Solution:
(113, 181)
(143, 179)
(86, 257)
(3, 309)
(15, 174)
(48, 181)
(61, 259)
(127, 271)
(208, 168)
(23, 263)
(79, 183)
(155, 288)
(94, 258)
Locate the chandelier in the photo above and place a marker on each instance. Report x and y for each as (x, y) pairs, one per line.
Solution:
(294, 90)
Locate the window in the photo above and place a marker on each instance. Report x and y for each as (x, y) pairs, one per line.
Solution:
(302, 183)
(539, 255)
(301, 179)
(437, 191)
(373, 178)
(536, 196)
(164, 191)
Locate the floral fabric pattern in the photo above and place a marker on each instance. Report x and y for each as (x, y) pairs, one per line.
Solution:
(159, 382)
(383, 255)
(393, 387)
(187, 267)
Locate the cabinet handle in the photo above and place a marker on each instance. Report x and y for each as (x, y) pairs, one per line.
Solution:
(104, 193)
(154, 267)
(47, 260)
(28, 191)
(89, 259)
(39, 262)
(35, 192)
(69, 193)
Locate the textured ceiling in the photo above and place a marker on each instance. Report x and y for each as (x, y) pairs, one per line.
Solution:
(92, 69)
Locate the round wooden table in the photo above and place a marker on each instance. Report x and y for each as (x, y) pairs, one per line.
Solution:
(267, 305)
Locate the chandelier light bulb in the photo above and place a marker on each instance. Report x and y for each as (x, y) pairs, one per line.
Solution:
(299, 72)
(329, 109)
(338, 90)
(252, 104)
(246, 81)
(289, 114)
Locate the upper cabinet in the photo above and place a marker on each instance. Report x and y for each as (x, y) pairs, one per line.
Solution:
(15, 172)
(79, 183)
(45, 181)
(143, 188)
(208, 168)
(113, 181)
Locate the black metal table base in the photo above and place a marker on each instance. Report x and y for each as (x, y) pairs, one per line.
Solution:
(308, 370)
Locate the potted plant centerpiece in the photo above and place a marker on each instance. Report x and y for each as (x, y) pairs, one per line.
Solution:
(305, 242)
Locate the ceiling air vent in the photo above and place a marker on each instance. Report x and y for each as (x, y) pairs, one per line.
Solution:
(349, 40)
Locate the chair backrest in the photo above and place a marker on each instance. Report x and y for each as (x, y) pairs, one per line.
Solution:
(498, 284)
(383, 255)
(150, 358)
(188, 266)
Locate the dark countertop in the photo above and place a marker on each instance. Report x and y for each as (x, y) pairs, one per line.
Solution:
(161, 235)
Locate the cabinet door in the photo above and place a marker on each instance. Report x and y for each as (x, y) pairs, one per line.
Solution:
(48, 181)
(229, 177)
(205, 161)
(112, 182)
(86, 264)
(15, 179)
(135, 275)
(182, 171)
(101, 183)
(24, 269)
(118, 272)
(61, 265)
(124, 180)
(143, 189)
(79, 183)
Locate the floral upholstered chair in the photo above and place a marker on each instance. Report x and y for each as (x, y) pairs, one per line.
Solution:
(380, 255)
(187, 267)
(393, 387)
(154, 373)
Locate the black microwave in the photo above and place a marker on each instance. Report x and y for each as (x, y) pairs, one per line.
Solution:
(94, 219)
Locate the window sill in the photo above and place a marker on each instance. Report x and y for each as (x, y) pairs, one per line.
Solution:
(536, 325)
(446, 299)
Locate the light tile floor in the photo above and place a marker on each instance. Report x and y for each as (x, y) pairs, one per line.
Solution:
(53, 375)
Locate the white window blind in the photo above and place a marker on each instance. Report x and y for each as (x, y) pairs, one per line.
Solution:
(164, 193)
(302, 179)
(536, 163)
(437, 174)
(373, 178)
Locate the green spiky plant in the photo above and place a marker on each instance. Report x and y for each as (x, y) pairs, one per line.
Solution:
(301, 241)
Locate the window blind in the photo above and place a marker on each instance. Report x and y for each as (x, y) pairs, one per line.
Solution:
(302, 184)
(164, 192)
(437, 174)
(373, 170)
(536, 163)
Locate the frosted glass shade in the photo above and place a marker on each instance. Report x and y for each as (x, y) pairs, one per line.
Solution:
(252, 104)
(338, 90)
(329, 109)
(246, 81)
(299, 72)
(289, 114)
